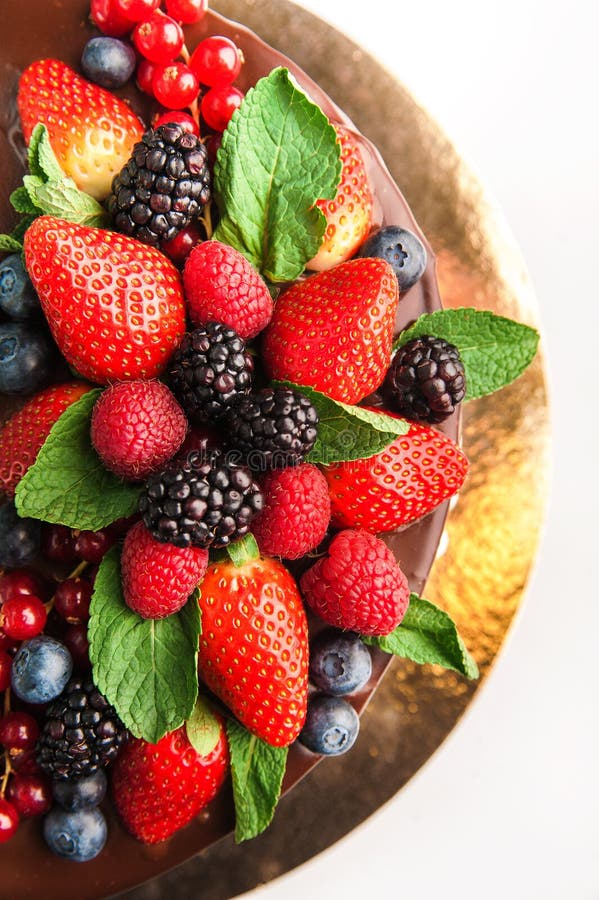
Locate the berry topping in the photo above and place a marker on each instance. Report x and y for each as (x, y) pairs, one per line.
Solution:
(403, 251)
(339, 662)
(108, 62)
(426, 380)
(332, 726)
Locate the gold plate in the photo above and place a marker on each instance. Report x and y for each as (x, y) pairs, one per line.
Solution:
(493, 530)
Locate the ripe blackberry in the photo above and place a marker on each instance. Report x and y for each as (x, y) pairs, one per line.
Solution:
(200, 502)
(209, 368)
(163, 186)
(426, 380)
(273, 428)
(81, 733)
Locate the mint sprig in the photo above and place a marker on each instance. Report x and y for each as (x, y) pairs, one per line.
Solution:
(68, 484)
(427, 634)
(495, 350)
(279, 155)
(147, 668)
(203, 727)
(257, 771)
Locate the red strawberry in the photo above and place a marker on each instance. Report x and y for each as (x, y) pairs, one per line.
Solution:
(158, 577)
(22, 436)
(222, 286)
(159, 788)
(334, 331)
(114, 305)
(92, 132)
(358, 585)
(254, 646)
(349, 214)
(407, 480)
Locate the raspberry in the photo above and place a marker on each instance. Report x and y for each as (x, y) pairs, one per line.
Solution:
(221, 285)
(426, 380)
(296, 513)
(158, 578)
(358, 586)
(136, 427)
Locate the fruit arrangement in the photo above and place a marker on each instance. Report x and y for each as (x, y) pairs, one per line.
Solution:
(220, 423)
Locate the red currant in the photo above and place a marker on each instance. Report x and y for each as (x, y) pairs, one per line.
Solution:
(218, 105)
(213, 142)
(179, 118)
(18, 731)
(179, 248)
(216, 61)
(23, 617)
(108, 19)
(175, 86)
(23, 583)
(31, 795)
(188, 12)
(145, 76)
(5, 664)
(136, 10)
(7, 644)
(24, 761)
(58, 544)
(9, 820)
(71, 600)
(158, 38)
(91, 546)
(75, 639)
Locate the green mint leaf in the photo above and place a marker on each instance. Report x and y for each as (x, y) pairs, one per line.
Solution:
(22, 202)
(427, 635)
(495, 350)
(257, 771)
(9, 244)
(64, 200)
(18, 232)
(67, 484)
(347, 432)
(279, 155)
(203, 727)
(33, 161)
(147, 668)
(45, 157)
(243, 551)
(31, 183)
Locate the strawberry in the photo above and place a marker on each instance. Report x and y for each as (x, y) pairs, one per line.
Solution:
(114, 306)
(92, 132)
(254, 646)
(349, 215)
(23, 434)
(159, 788)
(405, 481)
(334, 331)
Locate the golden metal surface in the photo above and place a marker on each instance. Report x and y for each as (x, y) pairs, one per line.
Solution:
(493, 530)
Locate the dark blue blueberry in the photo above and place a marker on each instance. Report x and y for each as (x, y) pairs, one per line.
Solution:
(108, 62)
(80, 793)
(331, 726)
(40, 670)
(78, 835)
(27, 358)
(339, 662)
(19, 537)
(17, 295)
(403, 251)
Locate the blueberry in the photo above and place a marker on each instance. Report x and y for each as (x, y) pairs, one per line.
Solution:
(80, 793)
(403, 251)
(19, 537)
(331, 726)
(108, 62)
(339, 662)
(17, 295)
(40, 670)
(78, 835)
(27, 358)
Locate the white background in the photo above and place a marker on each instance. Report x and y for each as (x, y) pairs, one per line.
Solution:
(509, 806)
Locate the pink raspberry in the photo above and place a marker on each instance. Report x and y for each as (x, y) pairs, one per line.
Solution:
(358, 586)
(221, 286)
(136, 427)
(296, 512)
(158, 578)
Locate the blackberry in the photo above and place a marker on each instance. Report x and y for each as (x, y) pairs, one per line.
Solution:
(426, 380)
(210, 367)
(273, 428)
(163, 186)
(202, 501)
(81, 733)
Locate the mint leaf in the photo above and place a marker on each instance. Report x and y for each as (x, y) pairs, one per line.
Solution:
(147, 668)
(68, 484)
(347, 432)
(279, 155)
(33, 161)
(243, 551)
(257, 770)
(45, 158)
(31, 183)
(495, 350)
(427, 635)
(65, 200)
(22, 202)
(9, 244)
(203, 728)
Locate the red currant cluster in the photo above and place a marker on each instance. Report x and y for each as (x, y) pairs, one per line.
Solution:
(32, 603)
(201, 82)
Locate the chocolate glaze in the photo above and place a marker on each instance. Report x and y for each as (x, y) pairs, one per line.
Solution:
(59, 28)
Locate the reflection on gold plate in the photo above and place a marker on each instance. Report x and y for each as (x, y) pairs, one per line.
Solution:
(493, 530)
